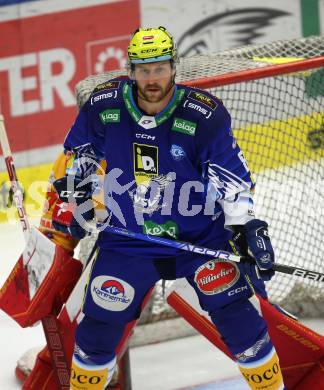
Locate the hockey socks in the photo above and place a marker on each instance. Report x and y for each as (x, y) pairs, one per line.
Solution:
(264, 373)
(90, 376)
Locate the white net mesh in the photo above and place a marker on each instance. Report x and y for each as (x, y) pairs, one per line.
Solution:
(278, 122)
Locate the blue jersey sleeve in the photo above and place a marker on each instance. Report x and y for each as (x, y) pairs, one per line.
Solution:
(229, 179)
(86, 131)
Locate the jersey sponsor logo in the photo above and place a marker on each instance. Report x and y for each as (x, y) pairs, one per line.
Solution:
(106, 86)
(145, 162)
(81, 378)
(177, 152)
(204, 99)
(168, 229)
(85, 379)
(265, 376)
(216, 276)
(184, 126)
(110, 116)
(148, 122)
(197, 107)
(237, 290)
(145, 136)
(111, 293)
(108, 95)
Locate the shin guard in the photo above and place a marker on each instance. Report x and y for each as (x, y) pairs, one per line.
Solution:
(264, 373)
(90, 376)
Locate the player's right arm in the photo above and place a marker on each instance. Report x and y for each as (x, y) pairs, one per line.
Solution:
(230, 182)
(75, 184)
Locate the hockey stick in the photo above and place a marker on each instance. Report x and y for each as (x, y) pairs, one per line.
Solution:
(49, 322)
(219, 254)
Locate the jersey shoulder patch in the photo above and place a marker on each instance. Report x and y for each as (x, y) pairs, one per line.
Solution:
(204, 98)
(109, 85)
(108, 90)
(200, 102)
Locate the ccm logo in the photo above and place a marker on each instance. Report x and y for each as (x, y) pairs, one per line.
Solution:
(237, 290)
(74, 194)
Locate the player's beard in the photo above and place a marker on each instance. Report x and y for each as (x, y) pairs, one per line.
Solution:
(158, 94)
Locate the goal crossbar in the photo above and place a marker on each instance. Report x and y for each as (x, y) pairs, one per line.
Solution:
(256, 73)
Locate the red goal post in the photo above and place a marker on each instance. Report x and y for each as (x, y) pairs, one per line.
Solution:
(257, 73)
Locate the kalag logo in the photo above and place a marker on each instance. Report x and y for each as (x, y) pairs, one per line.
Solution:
(168, 229)
(177, 152)
(184, 126)
(111, 293)
(110, 116)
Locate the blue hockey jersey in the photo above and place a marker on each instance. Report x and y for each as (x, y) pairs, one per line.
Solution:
(179, 174)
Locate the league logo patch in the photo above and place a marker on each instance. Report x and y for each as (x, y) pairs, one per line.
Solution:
(111, 293)
(216, 276)
(204, 99)
(106, 85)
(177, 152)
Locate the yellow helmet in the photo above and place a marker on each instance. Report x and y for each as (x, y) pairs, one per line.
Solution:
(151, 45)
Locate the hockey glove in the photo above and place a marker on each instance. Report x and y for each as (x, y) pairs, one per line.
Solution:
(74, 208)
(252, 239)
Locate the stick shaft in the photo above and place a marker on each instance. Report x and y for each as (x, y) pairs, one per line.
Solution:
(18, 198)
(220, 254)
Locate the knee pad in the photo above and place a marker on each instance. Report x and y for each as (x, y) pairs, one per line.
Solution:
(263, 373)
(89, 376)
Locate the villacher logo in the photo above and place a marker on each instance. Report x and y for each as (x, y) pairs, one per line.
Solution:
(216, 276)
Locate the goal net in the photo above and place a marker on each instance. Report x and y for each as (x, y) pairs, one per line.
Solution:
(275, 94)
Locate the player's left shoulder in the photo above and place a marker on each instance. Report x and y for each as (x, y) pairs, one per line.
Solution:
(110, 90)
(205, 105)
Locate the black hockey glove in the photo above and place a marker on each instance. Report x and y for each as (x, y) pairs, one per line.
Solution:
(74, 207)
(252, 239)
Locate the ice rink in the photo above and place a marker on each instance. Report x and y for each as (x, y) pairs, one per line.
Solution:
(188, 363)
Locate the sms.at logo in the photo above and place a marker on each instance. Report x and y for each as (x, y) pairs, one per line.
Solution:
(107, 54)
(111, 293)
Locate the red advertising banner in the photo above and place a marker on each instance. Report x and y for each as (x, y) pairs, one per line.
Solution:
(44, 56)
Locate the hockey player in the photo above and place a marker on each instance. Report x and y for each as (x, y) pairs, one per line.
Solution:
(174, 169)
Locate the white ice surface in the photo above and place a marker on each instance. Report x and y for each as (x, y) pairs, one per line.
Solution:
(181, 364)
